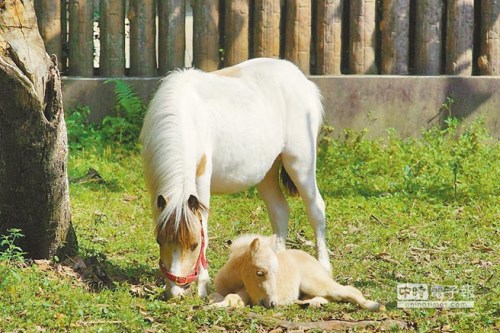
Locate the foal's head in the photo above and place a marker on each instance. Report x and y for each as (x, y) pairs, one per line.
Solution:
(179, 234)
(259, 272)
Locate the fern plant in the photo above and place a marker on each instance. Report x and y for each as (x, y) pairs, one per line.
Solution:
(124, 127)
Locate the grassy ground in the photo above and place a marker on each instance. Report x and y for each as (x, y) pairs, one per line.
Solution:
(417, 211)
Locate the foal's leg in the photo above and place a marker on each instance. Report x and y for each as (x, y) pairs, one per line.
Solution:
(322, 285)
(352, 295)
(276, 204)
(301, 166)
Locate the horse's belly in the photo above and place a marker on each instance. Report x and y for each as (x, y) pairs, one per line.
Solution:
(236, 178)
(231, 174)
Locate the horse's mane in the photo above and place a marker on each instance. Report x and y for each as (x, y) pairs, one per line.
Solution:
(166, 153)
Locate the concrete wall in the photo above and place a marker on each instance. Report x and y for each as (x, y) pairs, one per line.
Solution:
(405, 103)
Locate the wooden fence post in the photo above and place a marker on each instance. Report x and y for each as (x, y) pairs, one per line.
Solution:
(266, 31)
(459, 37)
(395, 27)
(489, 58)
(362, 37)
(81, 47)
(206, 34)
(428, 40)
(172, 34)
(141, 15)
(329, 36)
(236, 25)
(112, 24)
(49, 24)
(298, 33)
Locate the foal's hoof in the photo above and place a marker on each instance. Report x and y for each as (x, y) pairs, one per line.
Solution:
(215, 298)
(230, 301)
(373, 306)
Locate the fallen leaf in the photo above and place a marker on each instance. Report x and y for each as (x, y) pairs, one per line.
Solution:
(130, 198)
(387, 258)
(482, 248)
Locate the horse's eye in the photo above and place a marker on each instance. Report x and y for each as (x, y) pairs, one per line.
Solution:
(260, 273)
(194, 246)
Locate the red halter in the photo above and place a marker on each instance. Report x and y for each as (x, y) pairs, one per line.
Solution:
(185, 280)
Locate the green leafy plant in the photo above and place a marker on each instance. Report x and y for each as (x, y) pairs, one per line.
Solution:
(124, 127)
(81, 132)
(10, 252)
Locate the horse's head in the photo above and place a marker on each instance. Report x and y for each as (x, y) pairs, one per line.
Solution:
(259, 272)
(182, 243)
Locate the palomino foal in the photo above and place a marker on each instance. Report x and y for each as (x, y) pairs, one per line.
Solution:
(222, 132)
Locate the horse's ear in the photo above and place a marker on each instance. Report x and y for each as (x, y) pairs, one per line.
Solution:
(254, 246)
(161, 202)
(193, 203)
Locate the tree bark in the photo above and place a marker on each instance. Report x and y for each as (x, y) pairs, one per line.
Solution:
(206, 34)
(329, 37)
(34, 193)
(237, 20)
(298, 33)
(266, 29)
(489, 58)
(459, 37)
(428, 41)
(112, 28)
(395, 27)
(172, 35)
(362, 39)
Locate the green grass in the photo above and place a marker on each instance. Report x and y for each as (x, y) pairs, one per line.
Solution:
(418, 210)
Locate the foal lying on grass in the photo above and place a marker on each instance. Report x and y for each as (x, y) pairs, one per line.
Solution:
(256, 274)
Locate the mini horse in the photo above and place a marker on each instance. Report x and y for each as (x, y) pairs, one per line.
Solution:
(256, 274)
(222, 132)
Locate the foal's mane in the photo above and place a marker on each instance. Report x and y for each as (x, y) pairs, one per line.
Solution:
(168, 155)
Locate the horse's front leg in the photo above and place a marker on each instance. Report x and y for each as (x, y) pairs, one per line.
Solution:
(203, 186)
(204, 278)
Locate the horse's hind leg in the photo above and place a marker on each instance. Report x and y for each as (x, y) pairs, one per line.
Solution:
(301, 167)
(276, 204)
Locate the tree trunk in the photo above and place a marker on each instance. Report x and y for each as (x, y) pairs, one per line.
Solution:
(172, 34)
(362, 37)
(236, 25)
(206, 34)
(298, 33)
(459, 37)
(266, 28)
(33, 146)
(428, 37)
(395, 27)
(329, 37)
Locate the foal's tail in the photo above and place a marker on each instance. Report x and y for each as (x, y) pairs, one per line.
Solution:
(288, 183)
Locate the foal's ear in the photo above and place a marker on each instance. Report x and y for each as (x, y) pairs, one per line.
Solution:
(254, 246)
(193, 203)
(161, 202)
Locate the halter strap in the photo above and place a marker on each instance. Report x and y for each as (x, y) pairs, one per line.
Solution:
(184, 280)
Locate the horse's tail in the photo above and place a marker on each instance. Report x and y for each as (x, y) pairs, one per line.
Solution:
(288, 183)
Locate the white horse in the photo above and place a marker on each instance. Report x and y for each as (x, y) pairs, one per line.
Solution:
(222, 132)
(257, 274)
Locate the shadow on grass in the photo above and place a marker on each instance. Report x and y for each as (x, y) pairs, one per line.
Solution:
(98, 273)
